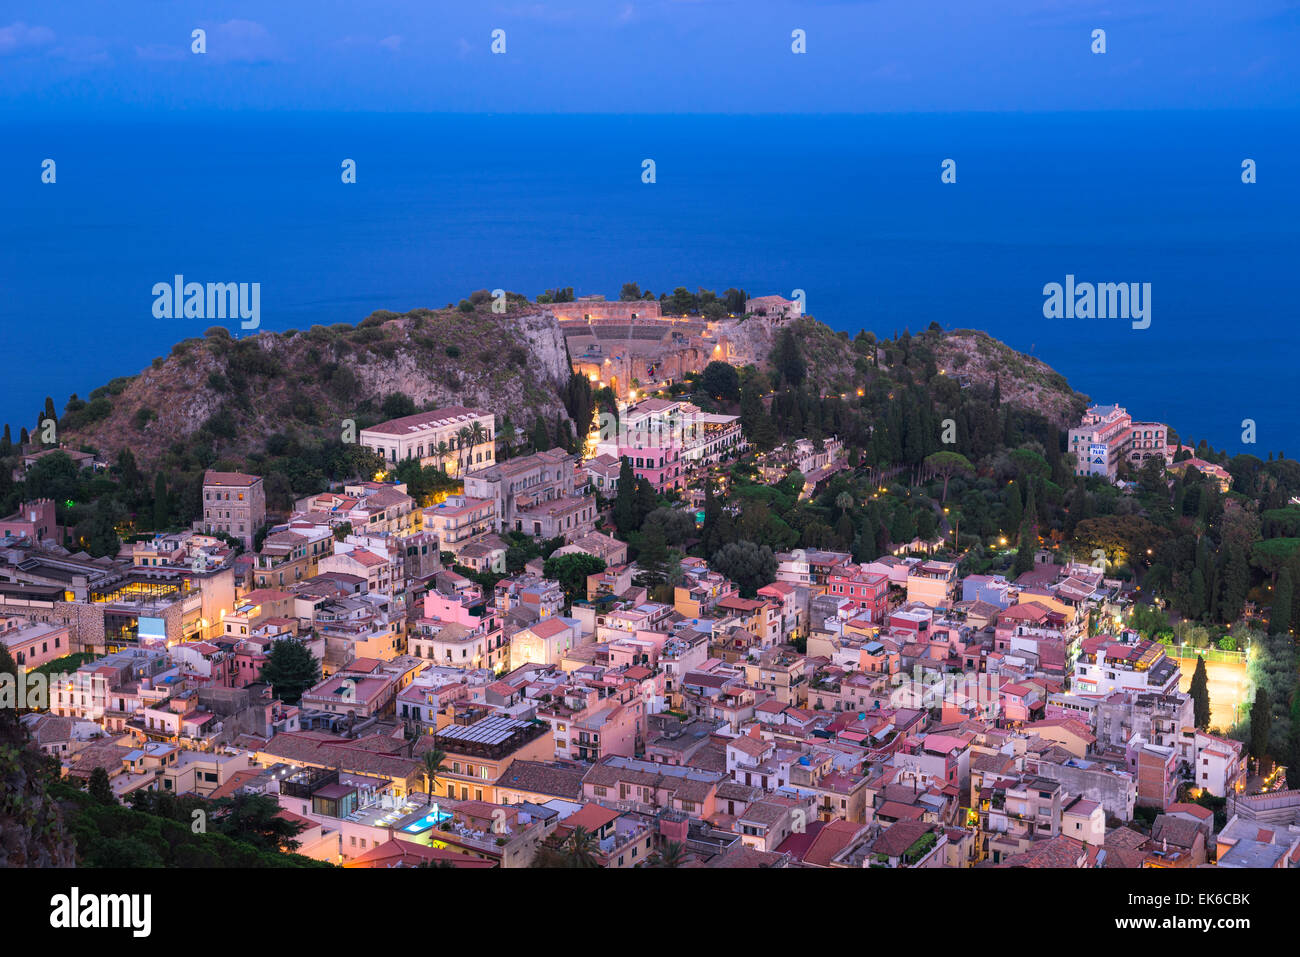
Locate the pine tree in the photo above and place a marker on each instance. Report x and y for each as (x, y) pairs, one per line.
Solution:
(1200, 692)
(754, 419)
(579, 402)
(290, 669)
(99, 787)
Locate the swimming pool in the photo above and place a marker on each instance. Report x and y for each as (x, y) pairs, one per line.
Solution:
(432, 819)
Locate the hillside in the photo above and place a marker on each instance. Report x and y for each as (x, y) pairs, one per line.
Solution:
(1024, 381)
(839, 363)
(231, 394)
(223, 398)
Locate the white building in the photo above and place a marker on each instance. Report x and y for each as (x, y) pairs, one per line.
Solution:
(434, 439)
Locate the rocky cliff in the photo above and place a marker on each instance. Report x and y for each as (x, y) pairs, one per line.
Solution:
(237, 392)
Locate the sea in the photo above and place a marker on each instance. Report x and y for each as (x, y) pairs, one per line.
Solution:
(853, 210)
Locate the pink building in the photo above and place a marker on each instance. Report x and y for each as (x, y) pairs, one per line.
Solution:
(246, 664)
(32, 644)
(1108, 435)
(33, 520)
(661, 466)
(868, 591)
(465, 606)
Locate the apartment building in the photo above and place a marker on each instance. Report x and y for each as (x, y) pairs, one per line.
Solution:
(480, 746)
(234, 504)
(292, 554)
(867, 591)
(459, 627)
(1106, 664)
(538, 494)
(544, 643)
(34, 643)
(458, 520)
(932, 583)
(35, 521)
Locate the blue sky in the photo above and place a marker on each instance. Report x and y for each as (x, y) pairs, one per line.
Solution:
(648, 56)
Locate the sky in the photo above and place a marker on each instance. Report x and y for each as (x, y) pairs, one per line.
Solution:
(647, 56)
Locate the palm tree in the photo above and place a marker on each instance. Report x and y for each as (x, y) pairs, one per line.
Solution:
(463, 437)
(580, 848)
(443, 451)
(434, 765)
(506, 432)
(477, 435)
(844, 501)
(672, 854)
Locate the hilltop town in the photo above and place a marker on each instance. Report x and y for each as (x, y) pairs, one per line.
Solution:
(680, 582)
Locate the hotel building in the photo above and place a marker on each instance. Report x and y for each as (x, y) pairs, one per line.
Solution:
(434, 438)
(1108, 435)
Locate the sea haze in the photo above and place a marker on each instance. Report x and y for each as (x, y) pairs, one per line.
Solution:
(849, 209)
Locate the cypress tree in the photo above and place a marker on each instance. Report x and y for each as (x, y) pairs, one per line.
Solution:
(653, 559)
(161, 503)
(1236, 582)
(1200, 692)
(1015, 510)
(1261, 724)
(540, 438)
(1024, 552)
(625, 518)
(1279, 616)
